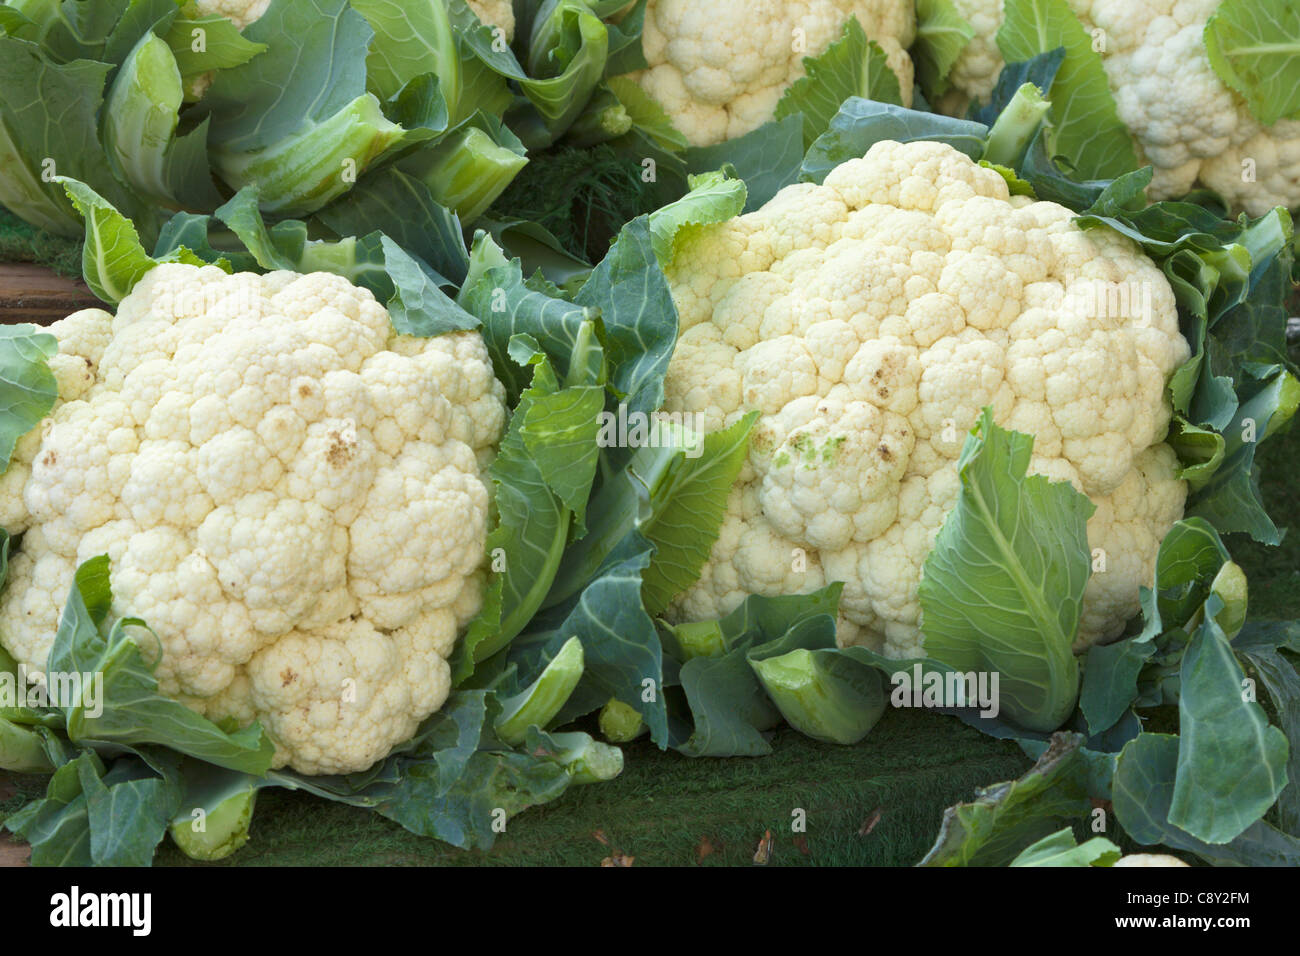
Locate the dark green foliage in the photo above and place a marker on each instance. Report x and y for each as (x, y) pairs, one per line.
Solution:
(583, 196)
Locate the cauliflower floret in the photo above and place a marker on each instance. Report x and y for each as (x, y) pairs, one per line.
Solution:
(239, 12)
(289, 493)
(496, 13)
(719, 68)
(975, 72)
(1273, 153)
(1186, 123)
(347, 688)
(1149, 859)
(870, 358)
(83, 336)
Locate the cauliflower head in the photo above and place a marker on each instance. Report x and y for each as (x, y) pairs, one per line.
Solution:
(869, 320)
(719, 68)
(291, 494)
(1185, 122)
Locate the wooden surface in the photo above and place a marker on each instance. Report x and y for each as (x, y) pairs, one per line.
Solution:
(35, 294)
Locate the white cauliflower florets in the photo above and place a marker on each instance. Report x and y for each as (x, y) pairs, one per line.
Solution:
(495, 13)
(719, 68)
(239, 12)
(870, 320)
(1148, 860)
(289, 493)
(1186, 123)
(82, 338)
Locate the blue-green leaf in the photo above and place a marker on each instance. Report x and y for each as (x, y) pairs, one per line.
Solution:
(314, 66)
(637, 313)
(419, 306)
(860, 124)
(1143, 791)
(767, 159)
(1231, 762)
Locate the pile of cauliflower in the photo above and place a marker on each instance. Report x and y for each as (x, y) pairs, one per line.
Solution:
(1186, 123)
(290, 494)
(719, 68)
(869, 320)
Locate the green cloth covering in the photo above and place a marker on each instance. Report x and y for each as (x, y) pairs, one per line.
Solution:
(665, 807)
